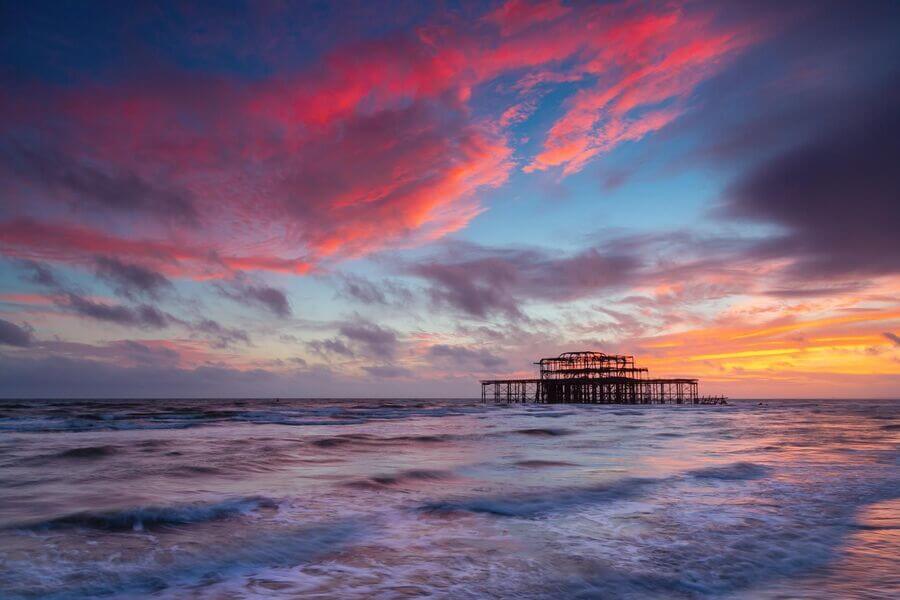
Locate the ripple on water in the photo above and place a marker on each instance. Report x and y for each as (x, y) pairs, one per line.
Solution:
(733, 472)
(152, 516)
(539, 464)
(88, 452)
(544, 431)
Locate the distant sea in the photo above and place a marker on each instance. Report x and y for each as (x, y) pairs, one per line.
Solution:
(448, 499)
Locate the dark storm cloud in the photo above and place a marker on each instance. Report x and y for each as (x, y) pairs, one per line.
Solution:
(464, 356)
(836, 197)
(482, 281)
(84, 184)
(244, 292)
(813, 136)
(805, 77)
(144, 315)
(14, 335)
(131, 280)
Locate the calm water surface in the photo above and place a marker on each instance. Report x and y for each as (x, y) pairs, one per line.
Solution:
(450, 499)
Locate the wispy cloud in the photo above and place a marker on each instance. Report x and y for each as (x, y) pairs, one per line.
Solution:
(241, 290)
(15, 335)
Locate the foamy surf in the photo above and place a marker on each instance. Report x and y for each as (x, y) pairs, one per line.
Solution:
(448, 499)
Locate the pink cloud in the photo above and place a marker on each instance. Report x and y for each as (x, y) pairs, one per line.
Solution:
(631, 105)
(372, 146)
(516, 15)
(76, 244)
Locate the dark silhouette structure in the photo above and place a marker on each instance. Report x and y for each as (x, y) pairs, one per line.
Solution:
(594, 378)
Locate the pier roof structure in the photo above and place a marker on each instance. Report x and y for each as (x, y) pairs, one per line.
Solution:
(595, 378)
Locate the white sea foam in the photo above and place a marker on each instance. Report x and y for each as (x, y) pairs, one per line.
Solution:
(393, 499)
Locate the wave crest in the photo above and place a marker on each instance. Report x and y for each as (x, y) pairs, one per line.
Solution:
(137, 519)
(733, 472)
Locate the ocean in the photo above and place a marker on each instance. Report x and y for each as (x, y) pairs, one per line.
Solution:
(232, 499)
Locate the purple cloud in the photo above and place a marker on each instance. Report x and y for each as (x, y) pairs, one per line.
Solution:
(384, 292)
(14, 335)
(131, 280)
(39, 273)
(143, 354)
(376, 340)
(465, 356)
(482, 281)
(242, 291)
(331, 346)
(85, 185)
(835, 197)
(221, 336)
(388, 371)
(144, 315)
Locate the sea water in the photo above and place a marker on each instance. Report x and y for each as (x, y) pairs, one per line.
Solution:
(448, 499)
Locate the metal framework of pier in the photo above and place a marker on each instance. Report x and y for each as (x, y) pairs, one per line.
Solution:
(594, 378)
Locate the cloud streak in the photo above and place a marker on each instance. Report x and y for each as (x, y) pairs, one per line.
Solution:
(481, 281)
(386, 198)
(14, 335)
(85, 186)
(271, 299)
(131, 280)
(462, 356)
(374, 144)
(143, 315)
(376, 340)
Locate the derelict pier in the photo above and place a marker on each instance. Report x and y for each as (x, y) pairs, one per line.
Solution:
(594, 378)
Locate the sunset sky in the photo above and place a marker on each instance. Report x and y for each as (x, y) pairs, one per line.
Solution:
(370, 199)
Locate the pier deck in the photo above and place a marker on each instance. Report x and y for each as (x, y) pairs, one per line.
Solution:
(594, 378)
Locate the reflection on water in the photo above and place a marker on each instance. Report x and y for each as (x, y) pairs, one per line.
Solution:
(361, 499)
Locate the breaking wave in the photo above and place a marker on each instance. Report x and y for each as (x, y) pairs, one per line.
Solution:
(532, 505)
(295, 546)
(137, 519)
(544, 431)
